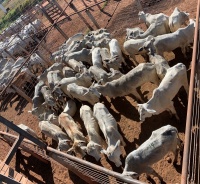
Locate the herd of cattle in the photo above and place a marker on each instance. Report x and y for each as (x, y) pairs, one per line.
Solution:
(87, 67)
(16, 43)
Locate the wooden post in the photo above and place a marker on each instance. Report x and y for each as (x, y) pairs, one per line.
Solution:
(21, 93)
(82, 18)
(92, 18)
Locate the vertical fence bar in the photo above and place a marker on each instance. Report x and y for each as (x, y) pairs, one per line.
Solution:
(190, 103)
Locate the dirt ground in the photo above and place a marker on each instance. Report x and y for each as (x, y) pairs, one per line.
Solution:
(124, 109)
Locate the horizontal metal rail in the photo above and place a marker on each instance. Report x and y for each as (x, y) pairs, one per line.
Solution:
(86, 170)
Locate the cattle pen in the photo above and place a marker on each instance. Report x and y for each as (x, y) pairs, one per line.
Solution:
(58, 16)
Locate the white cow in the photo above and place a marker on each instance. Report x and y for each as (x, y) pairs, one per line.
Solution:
(53, 78)
(70, 107)
(77, 66)
(56, 133)
(94, 145)
(108, 126)
(155, 29)
(127, 84)
(68, 72)
(116, 59)
(100, 75)
(28, 130)
(132, 33)
(81, 93)
(169, 42)
(74, 132)
(162, 97)
(132, 47)
(161, 141)
(148, 18)
(178, 19)
(96, 57)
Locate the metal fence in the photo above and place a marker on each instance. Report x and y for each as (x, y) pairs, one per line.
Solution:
(191, 159)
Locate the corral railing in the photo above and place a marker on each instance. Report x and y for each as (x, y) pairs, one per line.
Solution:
(191, 159)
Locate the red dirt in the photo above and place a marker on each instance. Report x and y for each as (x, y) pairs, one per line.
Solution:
(123, 109)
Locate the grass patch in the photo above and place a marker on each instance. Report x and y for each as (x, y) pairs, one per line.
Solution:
(104, 5)
(16, 12)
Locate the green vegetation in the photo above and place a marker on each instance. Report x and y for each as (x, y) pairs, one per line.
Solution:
(16, 12)
(104, 5)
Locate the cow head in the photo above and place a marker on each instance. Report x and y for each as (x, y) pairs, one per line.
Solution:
(148, 45)
(144, 112)
(63, 145)
(94, 149)
(130, 174)
(113, 153)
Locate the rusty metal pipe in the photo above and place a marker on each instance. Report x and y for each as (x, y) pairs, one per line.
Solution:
(190, 103)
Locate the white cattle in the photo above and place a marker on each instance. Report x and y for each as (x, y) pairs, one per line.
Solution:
(82, 55)
(105, 54)
(116, 59)
(28, 130)
(127, 84)
(81, 93)
(94, 145)
(68, 72)
(178, 19)
(100, 75)
(70, 107)
(76, 37)
(161, 141)
(148, 18)
(96, 57)
(132, 46)
(108, 126)
(77, 66)
(56, 133)
(81, 79)
(155, 29)
(162, 97)
(36, 62)
(48, 97)
(55, 66)
(132, 33)
(74, 132)
(53, 78)
(169, 42)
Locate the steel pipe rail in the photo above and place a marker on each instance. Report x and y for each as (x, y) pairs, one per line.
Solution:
(190, 109)
(82, 168)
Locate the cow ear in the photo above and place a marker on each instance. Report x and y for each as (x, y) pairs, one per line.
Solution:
(140, 49)
(104, 151)
(130, 174)
(152, 111)
(117, 144)
(84, 148)
(77, 75)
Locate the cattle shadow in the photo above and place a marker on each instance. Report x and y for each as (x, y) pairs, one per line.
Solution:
(123, 106)
(179, 58)
(31, 163)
